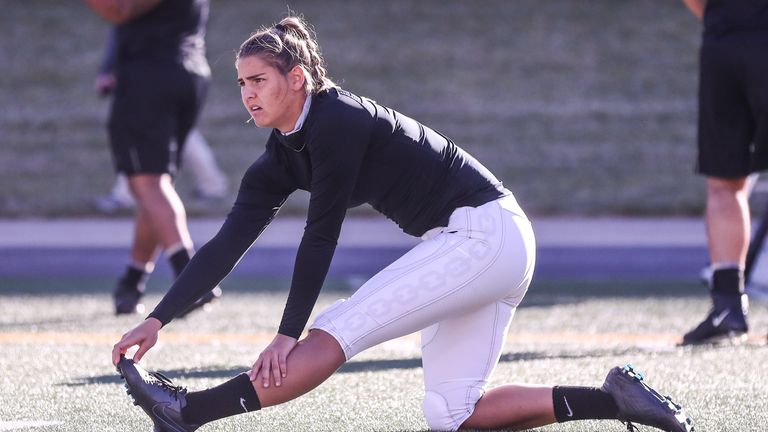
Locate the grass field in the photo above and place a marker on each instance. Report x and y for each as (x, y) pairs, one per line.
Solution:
(579, 107)
(56, 336)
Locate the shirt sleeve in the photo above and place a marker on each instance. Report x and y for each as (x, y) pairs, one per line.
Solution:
(336, 144)
(263, 190)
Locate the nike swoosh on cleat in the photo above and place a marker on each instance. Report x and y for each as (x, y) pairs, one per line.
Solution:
(159, 411)
(242, 404)
(717, 320)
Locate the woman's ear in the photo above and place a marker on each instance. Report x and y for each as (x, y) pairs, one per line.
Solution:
(297, 77)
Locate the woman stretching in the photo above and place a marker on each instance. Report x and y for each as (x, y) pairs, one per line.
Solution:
(460, 286)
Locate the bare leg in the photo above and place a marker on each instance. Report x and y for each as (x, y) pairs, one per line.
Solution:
(728, 220)
(314, 359)
(144, 248)
(513, 406)
(161, 209)
(728, 234)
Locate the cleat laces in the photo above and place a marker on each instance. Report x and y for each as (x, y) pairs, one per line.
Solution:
(166, 383)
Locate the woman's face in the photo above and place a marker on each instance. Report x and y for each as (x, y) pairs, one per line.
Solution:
(272, 99)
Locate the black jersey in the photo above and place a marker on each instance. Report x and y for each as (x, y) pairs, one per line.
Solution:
(723, 17)
(349, 151)
(174, 30)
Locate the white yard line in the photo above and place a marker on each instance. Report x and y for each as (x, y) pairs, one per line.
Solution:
(21, 424)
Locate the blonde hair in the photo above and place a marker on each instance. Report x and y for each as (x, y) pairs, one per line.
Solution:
(288, 44)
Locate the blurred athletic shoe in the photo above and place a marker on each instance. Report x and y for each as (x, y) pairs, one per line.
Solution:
(725, 323)
(128, 298)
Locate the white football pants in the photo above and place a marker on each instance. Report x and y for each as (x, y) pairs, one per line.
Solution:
(460, 287)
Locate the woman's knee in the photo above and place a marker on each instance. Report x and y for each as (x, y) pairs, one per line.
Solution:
(446, 410)
(325, 342)
(145, 186)
(717, 187)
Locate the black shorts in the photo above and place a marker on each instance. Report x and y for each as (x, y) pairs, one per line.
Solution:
(154, 108)
(733, 105)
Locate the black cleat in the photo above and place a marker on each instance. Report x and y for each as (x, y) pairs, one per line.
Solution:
(725, 323)
(157, 396)
(128, 298)
(201, 303)
(639, 403)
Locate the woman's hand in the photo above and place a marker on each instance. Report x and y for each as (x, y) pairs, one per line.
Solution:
(144, 335)
(273, 360)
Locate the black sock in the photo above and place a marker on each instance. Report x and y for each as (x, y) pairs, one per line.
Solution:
(583, 403)
(179, 260)
(728, 281)
(134, 277)
(236, 396)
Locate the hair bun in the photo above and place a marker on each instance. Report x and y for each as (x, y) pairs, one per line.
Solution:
(289, 43)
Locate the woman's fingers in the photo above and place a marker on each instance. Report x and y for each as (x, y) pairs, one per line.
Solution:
(121, 347)
(144, 335)
(266, 368)
(254, 372)
(117, 351)
(143, 348)
(277, 369)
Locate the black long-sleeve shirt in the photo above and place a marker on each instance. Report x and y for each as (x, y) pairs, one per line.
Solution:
(349, 151)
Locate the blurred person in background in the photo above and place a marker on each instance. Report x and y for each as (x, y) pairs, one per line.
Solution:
(732, 144)
(197, 156)
(460, 287)
(162, 80)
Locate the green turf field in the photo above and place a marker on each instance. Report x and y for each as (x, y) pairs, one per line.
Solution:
(56, 336)
(580, 107)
